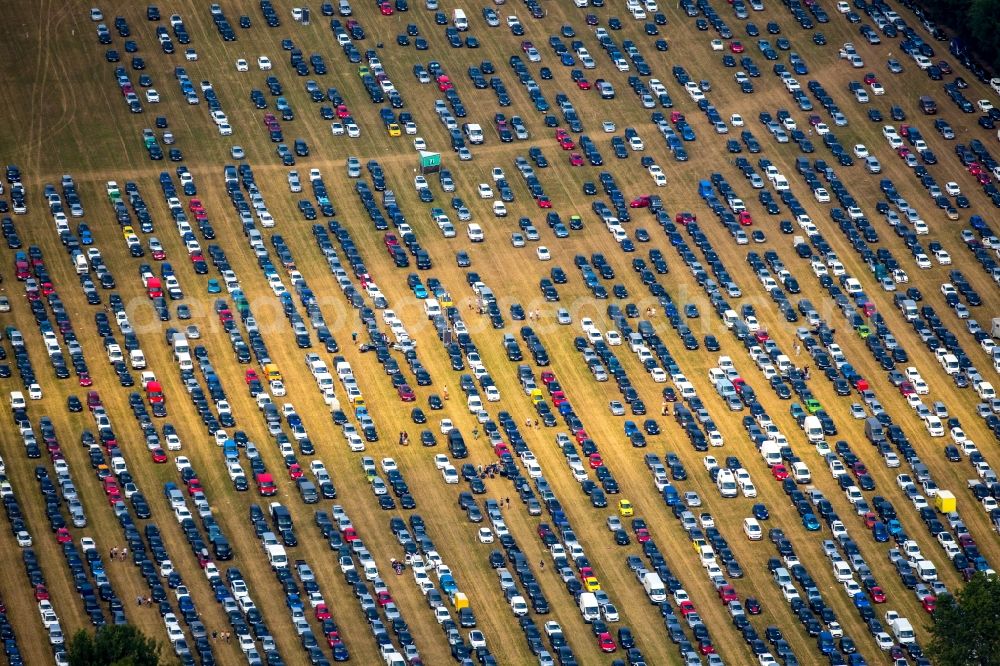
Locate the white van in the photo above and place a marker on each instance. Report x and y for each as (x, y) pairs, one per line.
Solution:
(589, 609)
(986, 391)
(459, 20)
(137, 359)
(277, 557)
(475, 233)
(81, 265)
(800, 472)
(927, 571)
(654, 588)
(813, 429)
(17, 400)
(432, 308)
(752, 529)
(726, 483)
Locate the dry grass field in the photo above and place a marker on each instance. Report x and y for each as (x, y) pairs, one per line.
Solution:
(64, 115)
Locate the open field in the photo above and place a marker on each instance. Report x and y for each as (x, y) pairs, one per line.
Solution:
(64, 114)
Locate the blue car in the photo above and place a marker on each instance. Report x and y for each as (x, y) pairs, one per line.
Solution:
(810, 522)
(760, 512)
(880, 532)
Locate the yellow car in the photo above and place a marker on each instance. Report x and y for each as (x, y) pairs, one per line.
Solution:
(591, 584)
(363, 70)
(698, 543)
(393, 129)
(128, 231)
(625, 508)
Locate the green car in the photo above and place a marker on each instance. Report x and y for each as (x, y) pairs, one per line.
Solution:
(812, 405)
(864, 331)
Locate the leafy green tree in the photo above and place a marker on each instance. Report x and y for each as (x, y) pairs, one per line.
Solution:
(113, 645)
(966, 627)
(982, 24)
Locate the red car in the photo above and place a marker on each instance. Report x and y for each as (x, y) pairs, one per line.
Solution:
(322, 612)
(84, 378)
(501, 450)
(576, 159)
(405, 393)
(640, 202)
(566, 143)
(606, 642)
(595, 460)
(385, 8)
(744, 218)
(736, 46)
(333, 639)
(685, 218)
(159, 455)
(384, 598)
(583, 84)
(752, 606)
(929, 603)
(906, 388)
(41, 592)
(349, 534)
(543, 202)
(878, 596)
(676, 116)
(686, 607)
(870, 519)
(548, 377)
(251, 376)
(779, 472)
(642, 535)
(870, 78)
(342, 111)
(295, 471)
(727, 593)
(63, 535)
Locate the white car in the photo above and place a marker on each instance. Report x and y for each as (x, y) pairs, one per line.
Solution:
(608, 127)
(419, 143)
(952, 188)
(23, 539)
(441, 461)
(450, 474)
(822, 196)
(877, 88)
(860, 151)
(485, 535)
(263, 63)
(736, 120)
(984, 105)
(242, 65)
(717, 45)
(942, 257)
(225, 129)
(152, 96)
(543, 253)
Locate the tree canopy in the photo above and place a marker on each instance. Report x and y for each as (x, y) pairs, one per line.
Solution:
(977, 21)
(113, 645)
(966, 626)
